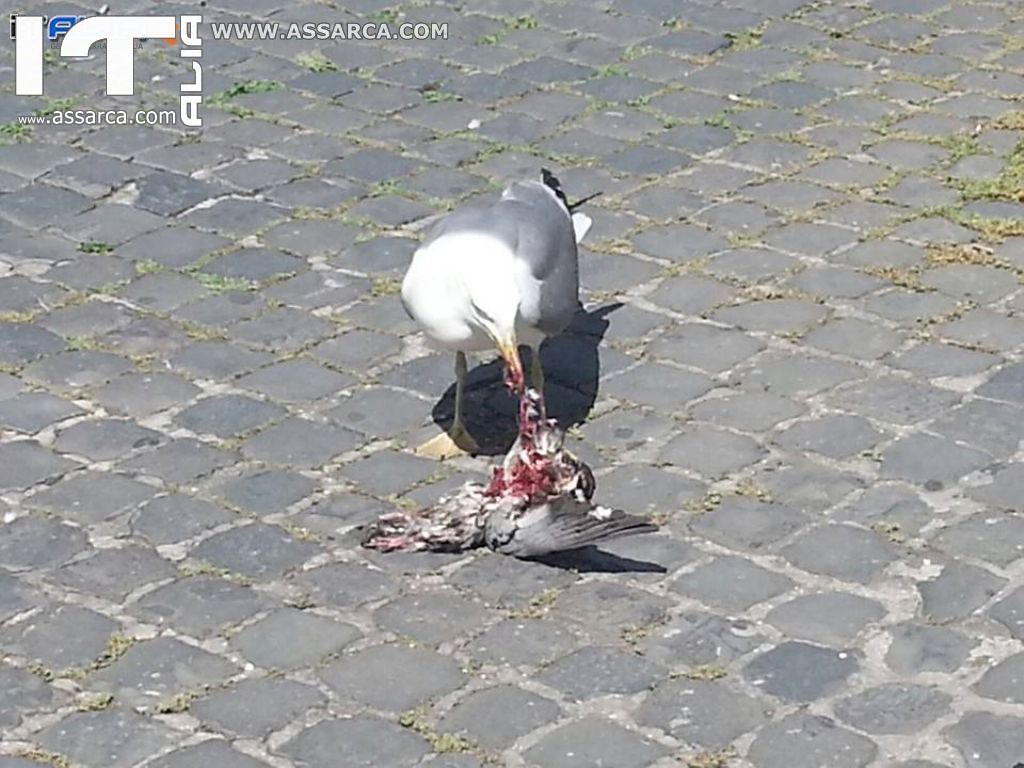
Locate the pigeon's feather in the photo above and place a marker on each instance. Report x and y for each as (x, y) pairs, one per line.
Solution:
(560, 523)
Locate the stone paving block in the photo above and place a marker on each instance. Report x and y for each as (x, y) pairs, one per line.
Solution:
(1010, 612)
(990, 536)
(110, 223)
(258, 551)
(932, 359)
(772, 315)
(522, 642)
(751, 412)
(888, 505)
(747, 524)
(985, 739)
(679, 242)
(142, 394)
(301, 443)
(958, 591)
(831, 618)
(89, 319)
(835, 436)
(894, 708)
(658, 385)
(802, 375)
(509, 582)
(900, 401)
(211, 751)
(115, 738)
(173, 247)
(904, 306)
(606, 604)
(806, 741)
(800, 672)
(841, 551)
(60, 637)
(430, 617)
(731, 583)
(284, 329)
(291, 638)
(296, 381)
(355, 742)
(228, 415)
(931, 461)
(495, 717)
(695, 639)
(105, 440)
(199, 605)
(593, 672)
(37, 205)
(1007, 384)
(340, 585)
(36, 542)
(389, 472)
(395, 677)
(267, 492)
(114, 573)
(173, 518)
(180, 461)
(989, 329)
(254, 707)
(920, 648)
(712, 452)
(92, 497)
(690, 295)
(20, 343)
(1004, 490)
(24, 693)
(153, 671)
(591, 741)
(32, 411)
(707, 714)
(379, 412)
(856, 338)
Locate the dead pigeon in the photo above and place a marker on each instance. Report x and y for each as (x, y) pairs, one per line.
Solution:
(539, 501)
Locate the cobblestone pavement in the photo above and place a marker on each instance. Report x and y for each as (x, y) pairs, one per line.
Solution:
(802, 354)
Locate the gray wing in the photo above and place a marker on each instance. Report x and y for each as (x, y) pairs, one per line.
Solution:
(537, 228)
(562, 523)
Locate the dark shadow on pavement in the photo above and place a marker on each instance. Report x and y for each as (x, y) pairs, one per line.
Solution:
(593, 560)
(572, 370)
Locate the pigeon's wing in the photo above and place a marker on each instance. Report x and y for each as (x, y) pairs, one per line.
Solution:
(559, 524)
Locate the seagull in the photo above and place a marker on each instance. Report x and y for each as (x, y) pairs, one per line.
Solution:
(538, 502)
(496, 273)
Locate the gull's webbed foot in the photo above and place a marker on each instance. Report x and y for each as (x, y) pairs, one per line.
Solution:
(449, 445)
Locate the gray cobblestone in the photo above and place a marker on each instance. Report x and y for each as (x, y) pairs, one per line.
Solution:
(208, 379)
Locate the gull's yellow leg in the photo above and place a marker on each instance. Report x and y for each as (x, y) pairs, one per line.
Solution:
(536, 372)
(537, 380)
(456, 441)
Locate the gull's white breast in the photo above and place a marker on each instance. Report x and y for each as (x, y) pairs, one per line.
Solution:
(464, 290)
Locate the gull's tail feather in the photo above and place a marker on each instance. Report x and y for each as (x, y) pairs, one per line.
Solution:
(581, 224)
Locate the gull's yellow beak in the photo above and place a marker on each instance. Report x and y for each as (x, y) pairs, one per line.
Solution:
(514, 377)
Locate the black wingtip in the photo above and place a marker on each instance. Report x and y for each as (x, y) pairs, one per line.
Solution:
(551, 182)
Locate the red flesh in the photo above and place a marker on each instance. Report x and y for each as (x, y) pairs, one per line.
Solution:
(530, 478)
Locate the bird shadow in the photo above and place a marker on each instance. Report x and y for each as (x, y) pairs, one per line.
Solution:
(572, 369)
(593, 560)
